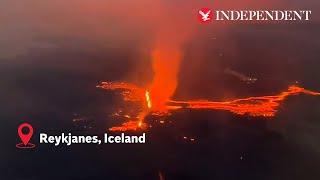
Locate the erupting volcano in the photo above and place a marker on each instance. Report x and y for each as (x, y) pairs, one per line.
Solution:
(155, 98)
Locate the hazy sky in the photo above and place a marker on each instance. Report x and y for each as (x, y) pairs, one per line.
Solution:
(29, 24)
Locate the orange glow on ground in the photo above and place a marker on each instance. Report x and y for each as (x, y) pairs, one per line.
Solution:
(129, 126)
(129, 92)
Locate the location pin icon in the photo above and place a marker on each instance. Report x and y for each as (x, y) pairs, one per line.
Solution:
(25, 138)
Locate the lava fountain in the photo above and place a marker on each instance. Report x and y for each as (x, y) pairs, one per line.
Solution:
(165, 66)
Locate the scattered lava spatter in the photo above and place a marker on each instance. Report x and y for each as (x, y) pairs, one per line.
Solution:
(266, 106)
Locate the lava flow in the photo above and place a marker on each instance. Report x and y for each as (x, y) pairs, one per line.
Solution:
(254, 106)
(266, 106)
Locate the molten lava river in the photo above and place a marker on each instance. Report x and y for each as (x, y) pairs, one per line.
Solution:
(266, 106)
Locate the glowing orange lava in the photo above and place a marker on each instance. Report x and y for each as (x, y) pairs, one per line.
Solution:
(149, 103)
(129, 126)
(266, 106)
(254, 106)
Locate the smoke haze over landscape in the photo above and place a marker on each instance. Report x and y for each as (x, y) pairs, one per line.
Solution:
(54, 53)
